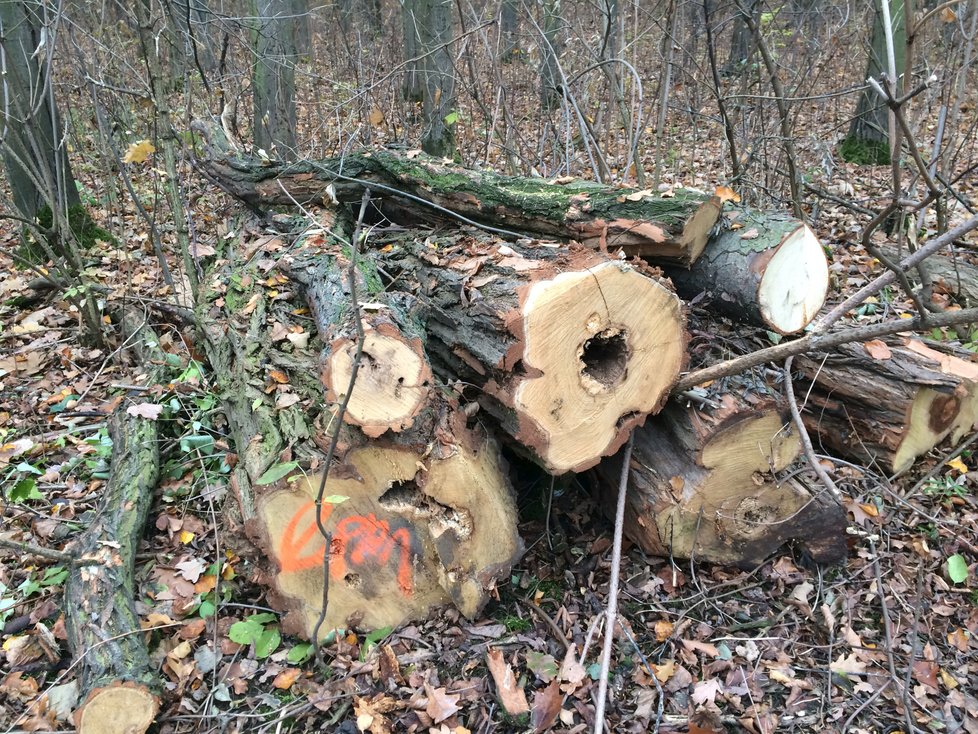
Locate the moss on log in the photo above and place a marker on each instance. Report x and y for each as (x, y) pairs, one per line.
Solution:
(414, 187)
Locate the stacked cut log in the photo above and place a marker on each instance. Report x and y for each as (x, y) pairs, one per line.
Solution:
(886, 403)
(768, 269)
(703, 485)
(419, 515)
(546, 329)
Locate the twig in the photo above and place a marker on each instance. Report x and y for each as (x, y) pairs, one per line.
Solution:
(327, 535)
(48, 553)
(888, 632)
(806, 440)
(611, 614)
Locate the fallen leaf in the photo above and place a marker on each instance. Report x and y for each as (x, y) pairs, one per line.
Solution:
(848, 665)
(300, 340)
(376, 117)
(663, 630)
(139, 152)
(664, 671)
(441, 704)
(706, 691)
(877, 349)
(958, 465)
(750, 234)
(725, 193)
(284, 680)
(150, 411)
(191, 569)
(546, 706)
(511, 694)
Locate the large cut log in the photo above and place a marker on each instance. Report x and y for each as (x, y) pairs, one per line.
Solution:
(393, 380)
(417, 531)
(701, 486)
(424, 501)
(887, 403)
(768, 269)
(119, 685)
(568, 350)
(406, 185)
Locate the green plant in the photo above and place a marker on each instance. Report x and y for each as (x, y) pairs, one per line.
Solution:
(257, 630)
(512, 623)
(864, 152)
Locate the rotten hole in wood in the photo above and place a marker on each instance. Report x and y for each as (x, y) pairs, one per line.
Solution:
(604, 358)
(407, 500)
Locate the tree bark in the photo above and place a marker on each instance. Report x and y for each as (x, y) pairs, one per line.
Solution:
(868, 141)
(663, 229)
(768, 269)
(412, 89)
(119, 685)
(890, 403)
(438, 77)
(702, 486)
(567, 350)
(551, 86)
(274, 80)
(34, 150)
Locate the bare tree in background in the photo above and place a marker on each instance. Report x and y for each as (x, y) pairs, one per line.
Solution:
(551, 47)
(274, 79)
(435, 21)
(34, 150)
(868, 138)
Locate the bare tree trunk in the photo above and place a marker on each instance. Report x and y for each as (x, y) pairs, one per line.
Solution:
(550, 85)
(509, 26)
(439, 78)
(411, 25)
(741, 46)
(274, 80)
(34, 150)
(868, 139)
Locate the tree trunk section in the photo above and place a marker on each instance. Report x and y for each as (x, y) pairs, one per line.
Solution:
(664, 229)
(890, 408)
(34, 153)
(274, 80)
(702, 486)
(118, 681)
(551, 86)
(566, 349)
(953, 276)
(412, 89)
(393, 381)
(509, 26)
(430, 517)
(768, 269)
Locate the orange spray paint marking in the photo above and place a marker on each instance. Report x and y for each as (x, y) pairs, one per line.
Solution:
(357, 540)
(290, 548)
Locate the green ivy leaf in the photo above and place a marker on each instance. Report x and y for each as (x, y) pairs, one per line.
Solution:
(25, 489)
(246, 631)
(267, 643)
(451, 118)
(300, 653)
(957, 568)
(54, 576)
(277, 471)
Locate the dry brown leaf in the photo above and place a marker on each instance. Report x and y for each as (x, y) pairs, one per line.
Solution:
(139, 152)
(511, 694)
(284, 680)
(725, 193)
(750, 234)
(546, 706)
(278, 376)
(848, 665)
(706, 691)
(441, 704)
(376, 117)
(150, 411)
(877, 349)
(663, 630)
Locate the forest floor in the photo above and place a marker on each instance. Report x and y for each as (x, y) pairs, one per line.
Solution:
(887, 642)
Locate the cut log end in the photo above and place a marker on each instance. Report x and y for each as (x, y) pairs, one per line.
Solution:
(794, 283)
(120, 708)
(414, 533)
(609, 343)
(393, 381)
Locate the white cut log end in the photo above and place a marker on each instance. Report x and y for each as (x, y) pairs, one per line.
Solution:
(608, 343)
(392, 385)
(795, 283)
(120, 708)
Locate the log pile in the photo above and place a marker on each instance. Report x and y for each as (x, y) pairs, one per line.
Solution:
(549, 329)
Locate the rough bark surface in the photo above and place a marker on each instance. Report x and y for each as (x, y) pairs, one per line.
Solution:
(768, 269)
(566, 349)
(423, 502)
(887, 403)
(118, 681)
(674, 228)
(702, 487)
